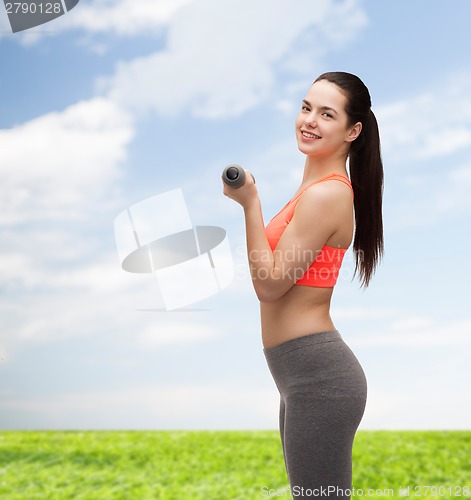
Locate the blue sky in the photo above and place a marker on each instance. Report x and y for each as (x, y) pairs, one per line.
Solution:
(118, 101)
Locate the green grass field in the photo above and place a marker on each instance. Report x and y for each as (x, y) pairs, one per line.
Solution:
(219, 465)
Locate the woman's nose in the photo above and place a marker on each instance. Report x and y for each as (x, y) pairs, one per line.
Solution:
(310, 119)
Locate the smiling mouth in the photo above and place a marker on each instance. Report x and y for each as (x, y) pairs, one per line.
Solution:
(310, 136)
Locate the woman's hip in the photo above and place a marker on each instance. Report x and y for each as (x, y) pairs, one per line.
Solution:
(319, 364)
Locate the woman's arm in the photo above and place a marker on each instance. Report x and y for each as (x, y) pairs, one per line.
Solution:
(315, 220)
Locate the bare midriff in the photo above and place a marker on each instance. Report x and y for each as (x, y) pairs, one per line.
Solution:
(303, 310)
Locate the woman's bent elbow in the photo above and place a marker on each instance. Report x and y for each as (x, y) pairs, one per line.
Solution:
(267, 293)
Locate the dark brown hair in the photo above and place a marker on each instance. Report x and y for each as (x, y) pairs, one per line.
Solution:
(366, 174)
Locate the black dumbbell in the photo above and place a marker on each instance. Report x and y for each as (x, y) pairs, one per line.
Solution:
(234, 176)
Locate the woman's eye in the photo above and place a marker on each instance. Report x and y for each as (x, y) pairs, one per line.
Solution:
(305, 108)
(328, 115)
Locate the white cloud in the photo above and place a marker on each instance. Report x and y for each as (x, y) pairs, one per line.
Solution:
(44, 302)
(428, 406)
(434, 123)
(419, 332)
(221, 58)
(417, 133)
(122, 17)
(55, 166)
(125, 18)
(436, 197)
(362, 313)
(18, 270)
(58, 177)
(217, 406)
(32, 320)
(181, 332)
(453, 196)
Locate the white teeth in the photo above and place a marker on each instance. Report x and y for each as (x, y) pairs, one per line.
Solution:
(310, 136)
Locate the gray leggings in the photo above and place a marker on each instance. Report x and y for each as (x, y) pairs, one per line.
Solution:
(322, 399)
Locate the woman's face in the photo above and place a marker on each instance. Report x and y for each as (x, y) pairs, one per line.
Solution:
(322, 127)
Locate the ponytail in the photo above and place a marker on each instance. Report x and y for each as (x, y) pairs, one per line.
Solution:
(366, 174)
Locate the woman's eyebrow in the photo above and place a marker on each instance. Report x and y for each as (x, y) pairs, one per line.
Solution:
(322, 108)
(327, 108)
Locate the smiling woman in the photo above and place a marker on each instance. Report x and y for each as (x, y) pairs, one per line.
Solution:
(294, 263)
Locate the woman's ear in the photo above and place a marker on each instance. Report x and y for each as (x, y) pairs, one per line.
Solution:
(354, 132)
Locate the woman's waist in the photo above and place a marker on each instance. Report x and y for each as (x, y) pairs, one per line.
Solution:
(282, 321)
(302, 342)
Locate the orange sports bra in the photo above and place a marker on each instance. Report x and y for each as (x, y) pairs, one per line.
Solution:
(325, 268)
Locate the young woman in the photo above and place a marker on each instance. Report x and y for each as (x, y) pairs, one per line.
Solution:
(294, 264)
